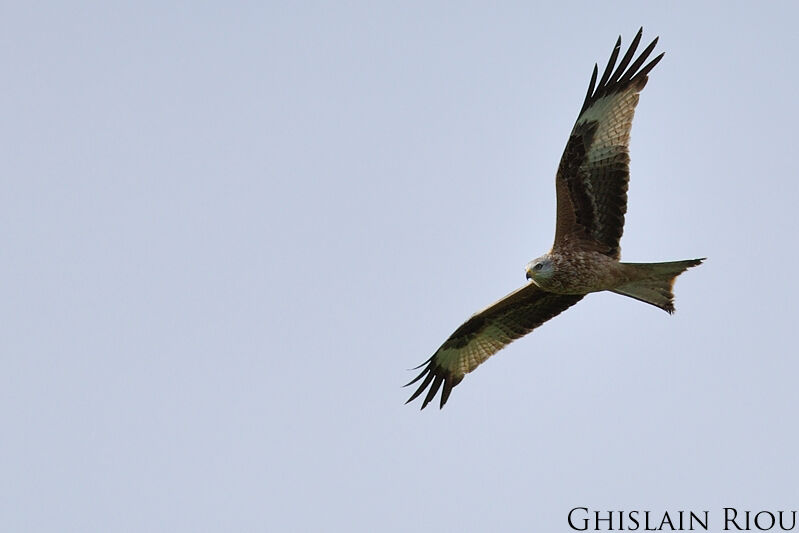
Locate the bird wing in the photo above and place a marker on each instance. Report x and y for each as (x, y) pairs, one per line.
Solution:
(485, 333)
(592, 178)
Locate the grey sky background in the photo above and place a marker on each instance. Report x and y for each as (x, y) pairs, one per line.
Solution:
(229, 230)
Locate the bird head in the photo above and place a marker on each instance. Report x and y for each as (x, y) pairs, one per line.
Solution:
(540, 269)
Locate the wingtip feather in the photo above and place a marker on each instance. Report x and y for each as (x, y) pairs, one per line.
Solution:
(617, 76)
(433, 390)
(422, 387)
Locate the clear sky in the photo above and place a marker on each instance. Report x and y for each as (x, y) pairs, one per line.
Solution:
(228, 231)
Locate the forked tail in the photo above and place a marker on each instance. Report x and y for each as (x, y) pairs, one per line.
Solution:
(653, 282)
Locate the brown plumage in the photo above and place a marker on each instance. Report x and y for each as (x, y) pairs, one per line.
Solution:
(591, 188)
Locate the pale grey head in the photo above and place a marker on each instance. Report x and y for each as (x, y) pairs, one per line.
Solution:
(541, 269)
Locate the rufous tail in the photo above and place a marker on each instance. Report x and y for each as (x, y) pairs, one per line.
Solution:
(653, 282)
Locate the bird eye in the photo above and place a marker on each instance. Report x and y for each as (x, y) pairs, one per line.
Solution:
(538, 266)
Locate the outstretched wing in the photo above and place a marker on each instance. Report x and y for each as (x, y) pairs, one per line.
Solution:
(484, 334)
(594, 171)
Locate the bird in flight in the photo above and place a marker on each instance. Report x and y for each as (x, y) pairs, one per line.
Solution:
(591, 189)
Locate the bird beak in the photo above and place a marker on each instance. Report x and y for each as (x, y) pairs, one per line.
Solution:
(529, 275)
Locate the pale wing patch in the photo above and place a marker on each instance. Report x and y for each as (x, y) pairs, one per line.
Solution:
(461, 361)
(614, 115)
(597, 111)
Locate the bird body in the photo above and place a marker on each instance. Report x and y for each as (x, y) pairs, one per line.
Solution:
(587, 271)
(577, 272)
(591, 190)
